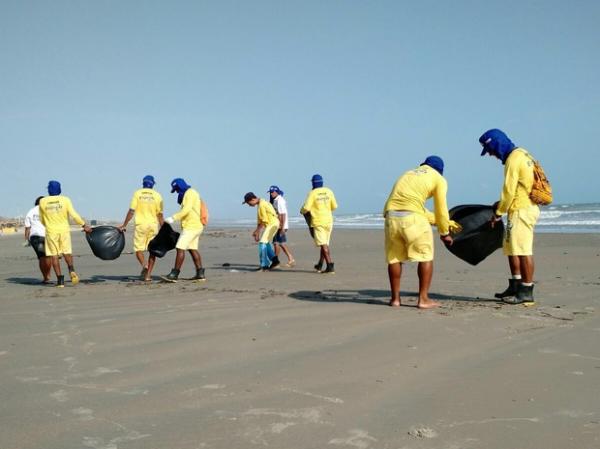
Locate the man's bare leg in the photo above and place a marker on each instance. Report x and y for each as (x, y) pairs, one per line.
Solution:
(326, 254)
(286, 251)
(196, 258)
(394, 273)
(515, 265)
(56, 266)
(151, 261)
(45, 264)
(425, 271)
(179, 258)
(139, 255)
(527, 268)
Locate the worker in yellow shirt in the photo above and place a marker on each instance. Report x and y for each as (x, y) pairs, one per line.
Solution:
(55, 210)
(522, 214)
(267, 225)
(191, 229)
(408, 235)
(317, 209)
(147, 206)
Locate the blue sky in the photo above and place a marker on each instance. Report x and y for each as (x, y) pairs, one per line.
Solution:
(235, 96)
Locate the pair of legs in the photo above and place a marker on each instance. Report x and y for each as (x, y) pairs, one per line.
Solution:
(425, 272)
(180, 257)
(146, 269)
(324, 255)
(523, 266)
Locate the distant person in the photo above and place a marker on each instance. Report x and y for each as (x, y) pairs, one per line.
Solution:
(280, 239)
(55, 211)
(267, 224)
(35, 234)
(191, 229)
(408, 235)
(522, 214)
(147, 206)
(317, 209)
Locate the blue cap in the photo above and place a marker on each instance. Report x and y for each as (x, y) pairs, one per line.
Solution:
(436, 163)
(54, 188)
(275, 189)
(148, 181)
(317, 181)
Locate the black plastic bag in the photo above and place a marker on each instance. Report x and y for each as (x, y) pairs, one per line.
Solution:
(164, 241)
(478, 239)
(107, 242)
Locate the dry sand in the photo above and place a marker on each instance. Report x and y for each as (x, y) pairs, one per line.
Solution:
(293, 359)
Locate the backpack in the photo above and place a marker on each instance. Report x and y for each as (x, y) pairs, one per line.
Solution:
(541, 190)
(203, 213)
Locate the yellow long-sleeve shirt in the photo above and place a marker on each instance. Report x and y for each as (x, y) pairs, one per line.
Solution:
(415, 187)
(55, 212)
(266, 214)
(189, 214)
(518, 180)
(147, 204)
(320, 202)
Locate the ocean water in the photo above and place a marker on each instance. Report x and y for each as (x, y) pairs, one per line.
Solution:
(561, 218)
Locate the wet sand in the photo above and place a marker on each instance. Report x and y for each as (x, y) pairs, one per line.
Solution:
(294, 359)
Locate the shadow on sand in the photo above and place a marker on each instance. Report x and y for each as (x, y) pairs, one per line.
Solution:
(376, 297)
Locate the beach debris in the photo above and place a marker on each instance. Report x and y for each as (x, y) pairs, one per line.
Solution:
(422, 432)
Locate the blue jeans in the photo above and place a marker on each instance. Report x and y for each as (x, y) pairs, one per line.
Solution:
(265, 254)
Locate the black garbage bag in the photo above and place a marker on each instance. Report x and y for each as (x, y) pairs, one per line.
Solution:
(164, 241)
(107, 242)
(478, 239)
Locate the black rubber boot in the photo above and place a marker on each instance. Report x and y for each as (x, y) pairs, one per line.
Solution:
(319, 267)
(172, 276)
(329, 269)
(513, 286)
(274, 263)
(60, 281)
(199, 275)
(524, 295)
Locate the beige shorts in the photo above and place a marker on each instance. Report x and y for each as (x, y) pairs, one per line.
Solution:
(142, 236)
(408, 238)
(189, 239)
(322, 234)
(518, 235)
(268, 234)
(58, 243)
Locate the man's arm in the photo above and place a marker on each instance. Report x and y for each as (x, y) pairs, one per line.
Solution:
(128, 218)
(27, 233)
(442, 217)
(76, 217)
(511, 181)
(281, 223)
(186, 208)
(258, 231)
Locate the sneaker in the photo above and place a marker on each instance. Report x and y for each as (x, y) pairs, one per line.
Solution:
(274, 263)
(513, 285)
(199, 275)
(524, 296)
(74, 278)
(172, 276)
(329, 269)
(143, 274)
(60, 282)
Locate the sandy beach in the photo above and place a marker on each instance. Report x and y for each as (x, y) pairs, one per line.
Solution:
(293, 359)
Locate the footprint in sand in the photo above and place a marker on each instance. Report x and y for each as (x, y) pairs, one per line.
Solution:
(60, 396)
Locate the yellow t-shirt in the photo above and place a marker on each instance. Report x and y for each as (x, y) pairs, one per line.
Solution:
(266, 215)
(189, 214)
(55, 212)
(320, 202)
(415, 187)
(147, 204)
(518, 180)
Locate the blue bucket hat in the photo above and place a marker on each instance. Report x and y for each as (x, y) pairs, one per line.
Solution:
(436, 163)
(497, 143)
(148, 182)
(54, 188)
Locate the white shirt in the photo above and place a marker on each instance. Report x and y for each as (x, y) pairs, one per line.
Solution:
(281, 208)
(32, 220)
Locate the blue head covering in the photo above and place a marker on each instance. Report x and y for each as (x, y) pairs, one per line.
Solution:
(497, 143)
(275, 189)
(54, 188)
(148, 182)
(436, 163)
(180, 186)
(317, 181)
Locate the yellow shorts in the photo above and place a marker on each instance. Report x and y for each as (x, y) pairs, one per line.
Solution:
(518, 235)
(142, 236)
(58, 243)
(189, 239)
(322, 234)
(408, 238)
(268, 233)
